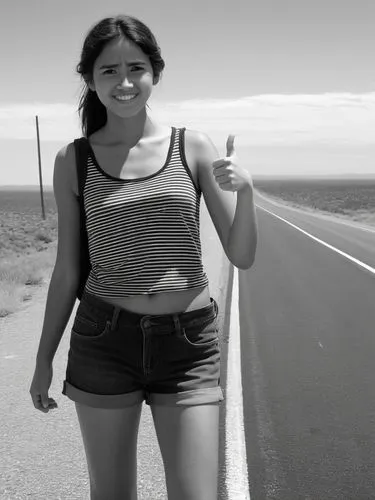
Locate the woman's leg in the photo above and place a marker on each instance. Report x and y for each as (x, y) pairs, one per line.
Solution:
(110, 442)
(189, 443)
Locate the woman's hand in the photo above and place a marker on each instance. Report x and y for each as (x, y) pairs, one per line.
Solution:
(229, 174)
(40, 385)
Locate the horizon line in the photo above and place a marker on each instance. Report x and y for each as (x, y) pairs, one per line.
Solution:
(346, 176)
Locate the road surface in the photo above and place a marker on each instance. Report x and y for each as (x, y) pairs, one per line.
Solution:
(307, 315)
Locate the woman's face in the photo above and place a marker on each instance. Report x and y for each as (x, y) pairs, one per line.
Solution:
(122, 78)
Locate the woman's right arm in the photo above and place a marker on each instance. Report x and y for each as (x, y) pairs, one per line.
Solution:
(65, 277)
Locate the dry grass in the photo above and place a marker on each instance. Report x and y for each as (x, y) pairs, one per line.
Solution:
(19, 278)
(27, 246)
(352, 200)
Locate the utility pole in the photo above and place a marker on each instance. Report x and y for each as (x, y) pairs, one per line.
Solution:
(40, 169)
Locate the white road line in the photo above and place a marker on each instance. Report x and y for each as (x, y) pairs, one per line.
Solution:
(236, 462)
(347, 256)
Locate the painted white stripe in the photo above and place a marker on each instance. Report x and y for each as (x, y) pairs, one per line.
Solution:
(235, 450)
(347, 256)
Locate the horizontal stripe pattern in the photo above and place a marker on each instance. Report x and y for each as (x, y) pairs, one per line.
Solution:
(144, 235)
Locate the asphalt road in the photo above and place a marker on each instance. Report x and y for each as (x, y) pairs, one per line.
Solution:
(307, 317)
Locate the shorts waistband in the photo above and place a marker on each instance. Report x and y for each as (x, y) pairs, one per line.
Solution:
(208, 312)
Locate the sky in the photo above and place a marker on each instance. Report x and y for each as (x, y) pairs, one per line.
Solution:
(294, 80)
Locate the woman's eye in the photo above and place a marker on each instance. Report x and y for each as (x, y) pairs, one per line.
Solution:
(113, 71)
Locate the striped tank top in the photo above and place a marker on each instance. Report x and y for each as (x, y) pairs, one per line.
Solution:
(143, 233)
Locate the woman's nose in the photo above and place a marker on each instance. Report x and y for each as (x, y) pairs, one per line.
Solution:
(125, 82)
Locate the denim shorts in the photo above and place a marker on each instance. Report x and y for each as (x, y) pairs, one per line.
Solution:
(118, 358)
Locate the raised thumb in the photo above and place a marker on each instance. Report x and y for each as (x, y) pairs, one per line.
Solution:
(230, 145)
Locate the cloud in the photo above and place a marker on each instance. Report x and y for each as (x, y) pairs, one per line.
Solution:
(271, 119)
(57, 121)
(283, 119)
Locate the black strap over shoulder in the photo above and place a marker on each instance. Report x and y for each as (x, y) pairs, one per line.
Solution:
(81, 147)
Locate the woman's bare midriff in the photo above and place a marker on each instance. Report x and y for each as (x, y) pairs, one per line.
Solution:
(164, 302)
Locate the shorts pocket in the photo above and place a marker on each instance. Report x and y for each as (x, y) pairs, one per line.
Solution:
(88, 328)
(201, 335)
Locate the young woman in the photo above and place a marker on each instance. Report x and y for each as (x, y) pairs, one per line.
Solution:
(146, 327)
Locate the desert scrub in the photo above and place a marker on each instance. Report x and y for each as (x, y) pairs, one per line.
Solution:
(27, 246)
(20, 275)
(352, 199)
(26, 233)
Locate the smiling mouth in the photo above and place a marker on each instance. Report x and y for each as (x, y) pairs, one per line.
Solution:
(125, 98)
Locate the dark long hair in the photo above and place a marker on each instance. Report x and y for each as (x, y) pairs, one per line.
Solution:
(93, 113)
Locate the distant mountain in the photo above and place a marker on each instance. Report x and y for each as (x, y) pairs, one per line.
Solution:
(315, 177)
(255, 177)
(25, 188)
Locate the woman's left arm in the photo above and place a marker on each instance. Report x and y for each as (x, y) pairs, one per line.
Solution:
(233, 214)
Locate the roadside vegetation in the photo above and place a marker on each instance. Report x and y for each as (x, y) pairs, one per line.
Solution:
(27, 246)
(352, 200)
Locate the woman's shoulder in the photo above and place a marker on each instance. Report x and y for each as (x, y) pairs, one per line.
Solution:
(200, 144)
(66, 153)
(197, 138)
(64, 169)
